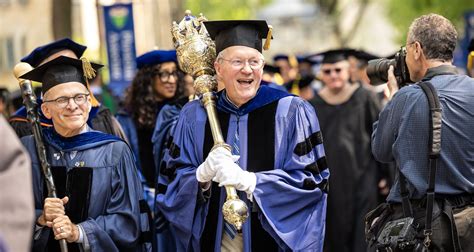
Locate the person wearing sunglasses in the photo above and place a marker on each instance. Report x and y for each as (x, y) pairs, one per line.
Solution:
(99, 192)
(346, 112)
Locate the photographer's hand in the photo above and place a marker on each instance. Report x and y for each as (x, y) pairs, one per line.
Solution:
(392, 83)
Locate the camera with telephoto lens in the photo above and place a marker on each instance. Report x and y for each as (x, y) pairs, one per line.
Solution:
(377, 69)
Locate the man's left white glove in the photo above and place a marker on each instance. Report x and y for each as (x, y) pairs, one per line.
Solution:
(230, 174)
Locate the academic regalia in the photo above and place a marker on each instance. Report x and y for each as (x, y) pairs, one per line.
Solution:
(97, 172)
(273, 85)
(281, 142)
(164, 127)
(347, 129)
(100, 117)
(140, 142)
(140, 139)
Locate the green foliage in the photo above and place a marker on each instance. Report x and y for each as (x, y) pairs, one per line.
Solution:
(403, 12)
(225, 9)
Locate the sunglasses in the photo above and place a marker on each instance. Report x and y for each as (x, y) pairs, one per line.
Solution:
(328, 71)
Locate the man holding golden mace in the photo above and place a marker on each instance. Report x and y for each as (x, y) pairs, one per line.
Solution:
(269, 150)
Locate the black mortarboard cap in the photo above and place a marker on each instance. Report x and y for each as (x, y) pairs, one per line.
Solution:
(306, 59)
(334, 56)
(61, 70)
(227, 33)
(41, 53)
(271, 69)
(363, 55)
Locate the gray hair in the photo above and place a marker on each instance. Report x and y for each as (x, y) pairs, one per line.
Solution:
(220, 55)
(436, 34)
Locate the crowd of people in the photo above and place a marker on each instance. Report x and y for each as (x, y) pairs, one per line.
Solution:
(312, 148)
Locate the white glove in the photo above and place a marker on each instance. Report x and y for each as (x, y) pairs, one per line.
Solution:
(230, 174)
(207, 170)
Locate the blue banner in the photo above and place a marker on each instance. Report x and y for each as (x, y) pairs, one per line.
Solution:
(120, 40)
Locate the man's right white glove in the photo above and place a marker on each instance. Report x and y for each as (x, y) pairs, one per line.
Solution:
(207, 170)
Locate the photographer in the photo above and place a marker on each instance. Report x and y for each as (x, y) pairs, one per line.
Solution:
(402, 134)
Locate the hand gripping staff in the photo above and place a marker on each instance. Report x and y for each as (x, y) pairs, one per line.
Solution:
(196, 54)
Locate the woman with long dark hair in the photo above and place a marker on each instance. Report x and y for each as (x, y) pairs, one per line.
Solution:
(156, 83)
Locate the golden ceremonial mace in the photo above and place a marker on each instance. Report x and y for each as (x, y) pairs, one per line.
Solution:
(196, 55)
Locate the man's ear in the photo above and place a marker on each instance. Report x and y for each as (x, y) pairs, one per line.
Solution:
(46, 111)
(217, 67)
(417, 50)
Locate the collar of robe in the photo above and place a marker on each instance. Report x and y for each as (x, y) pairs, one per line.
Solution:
(82, 141)
(265, 95)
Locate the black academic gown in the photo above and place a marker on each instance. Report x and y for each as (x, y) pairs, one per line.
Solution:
(353, 190)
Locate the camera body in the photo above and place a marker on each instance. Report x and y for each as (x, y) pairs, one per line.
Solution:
(398, 235)
(377, 69)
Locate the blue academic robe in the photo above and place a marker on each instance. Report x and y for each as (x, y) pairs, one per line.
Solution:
(130, 130)
(165, 124)
(97, 171)
(280, 140)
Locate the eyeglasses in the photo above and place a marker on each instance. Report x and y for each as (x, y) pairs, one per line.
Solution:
(63, 101)
(409, 44)
(328, 71)
(165, 76)
(240, 63)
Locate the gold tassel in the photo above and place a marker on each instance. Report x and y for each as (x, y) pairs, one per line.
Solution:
(278, 79)
(89, 73)
(266, 46)
(293, 61)
(470, 59)
(295, 89)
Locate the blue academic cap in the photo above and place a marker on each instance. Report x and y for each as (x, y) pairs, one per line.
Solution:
(156, 57)
(41, 53)
(280, 57)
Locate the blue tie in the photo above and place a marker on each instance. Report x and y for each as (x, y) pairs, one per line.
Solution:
(229, 228)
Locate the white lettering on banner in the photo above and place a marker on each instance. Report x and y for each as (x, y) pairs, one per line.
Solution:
(128, 55)
(114, 50)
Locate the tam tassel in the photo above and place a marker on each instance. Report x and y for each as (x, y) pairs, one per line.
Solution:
(89, 73)
(266, 46)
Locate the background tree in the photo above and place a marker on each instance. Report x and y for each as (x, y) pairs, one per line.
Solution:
(229, 9)
(402, 12)
(334, 10)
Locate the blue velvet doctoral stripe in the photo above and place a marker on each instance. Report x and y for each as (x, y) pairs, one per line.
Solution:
(264, 96)
(21, 113)
(93, 138)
